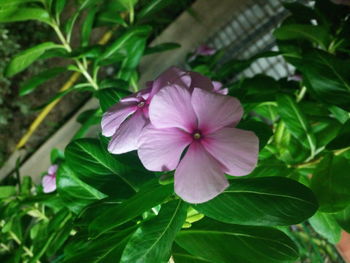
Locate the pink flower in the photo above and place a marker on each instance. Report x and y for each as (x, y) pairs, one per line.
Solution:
(203, 122)
(125, 120)
(49, 180)
(205, 50)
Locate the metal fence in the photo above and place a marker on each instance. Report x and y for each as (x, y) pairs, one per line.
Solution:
(250, 33)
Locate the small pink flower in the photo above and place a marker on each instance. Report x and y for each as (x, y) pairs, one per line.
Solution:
(125, 120)
(202, 121)
(205, 50)
(49, 180)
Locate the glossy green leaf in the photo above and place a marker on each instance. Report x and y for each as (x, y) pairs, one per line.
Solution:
(127, 38)
(316, 34)
(327, 77)
(150, 195)
(73, 191)
(31, 84)
(7, 191)
(87, 4)
(110, 96)
(152, 241)
(296, 122)
(99, 162)
(58, 6)
(130, 63)
(343, 218)
(180, 255)
(87, 28)
(266, 201)
(152, 7)
(262, 130)
(161, 48)
(224, 243)
(342, 140)
(110, 17)
(25, 58)
(105, 249)
(14, 3)
(331, 183)
(24, 14)
(325, 225)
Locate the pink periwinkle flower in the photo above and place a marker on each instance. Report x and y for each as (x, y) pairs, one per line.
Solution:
(205, 50)
(49, 180)
(199, 125)
(125, 120)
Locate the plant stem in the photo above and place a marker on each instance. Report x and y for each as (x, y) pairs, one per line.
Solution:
(82, 66)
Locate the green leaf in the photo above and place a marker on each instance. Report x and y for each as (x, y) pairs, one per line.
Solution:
(150, 195)
(126, 39)
(73, 191)
(152, 7)
(89, 119)
(325, 225)
(343, 218)
(161, 48)
(296, 122)
(87, 28)
(225, 243)
(24, 14)
(31, 84)
(262, 130)
(14, 3)
(130, 63)
(99, 162)
(343, 138)
(265, 201)
(7, 191)
(105, 249)
(182, 256)
(331, 183)
(25, 58)
(58, 7)
(259, 88)
(110, 17)
(327, 76)
(87, 4)
(152, 241)
(110, 96)
(316, 34)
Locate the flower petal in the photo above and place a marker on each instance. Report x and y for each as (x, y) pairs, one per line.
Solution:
(161, 149)
(236, 149)
(215, 111)
(173, 75)
(126, 137)
(49, 183)
(52, 169)
(171, 107)
(199, 177)
(114, 117)
(218, 88)
(200, 81)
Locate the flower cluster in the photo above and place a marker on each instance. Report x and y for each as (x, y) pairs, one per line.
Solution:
(184, 121)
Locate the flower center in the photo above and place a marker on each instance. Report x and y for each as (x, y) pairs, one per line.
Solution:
(197, 135)
(141, 104)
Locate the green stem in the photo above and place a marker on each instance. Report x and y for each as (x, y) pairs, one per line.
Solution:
(82, 66)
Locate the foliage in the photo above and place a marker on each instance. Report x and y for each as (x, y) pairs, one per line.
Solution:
(108, 208)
